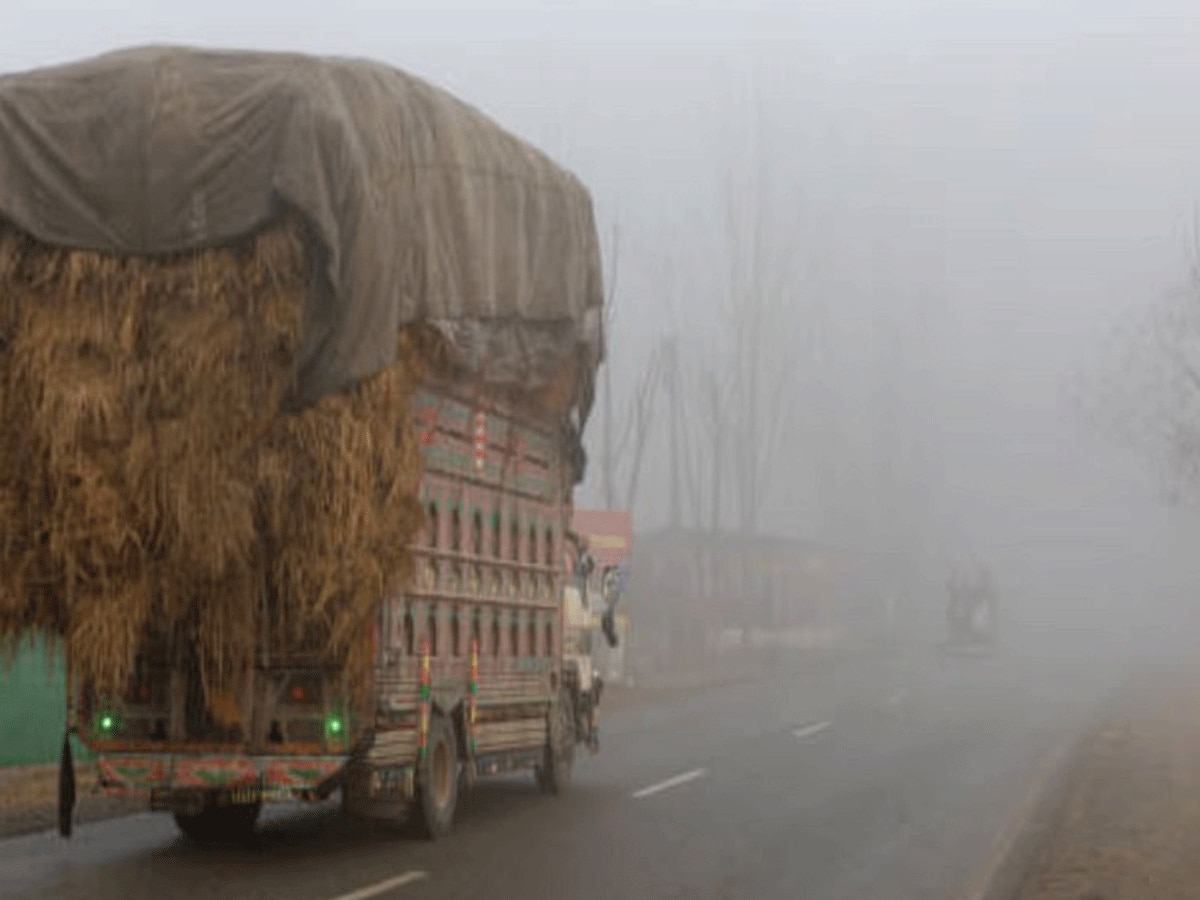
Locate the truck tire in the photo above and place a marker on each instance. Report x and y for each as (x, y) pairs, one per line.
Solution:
(554, 774)
(220, 824)
(437, 780)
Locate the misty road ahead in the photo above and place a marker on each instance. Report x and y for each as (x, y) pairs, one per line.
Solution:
(886, 778)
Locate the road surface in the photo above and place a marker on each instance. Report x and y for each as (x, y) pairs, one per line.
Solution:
(881, 779)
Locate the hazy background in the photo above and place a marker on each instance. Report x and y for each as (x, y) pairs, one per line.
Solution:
(957, 200)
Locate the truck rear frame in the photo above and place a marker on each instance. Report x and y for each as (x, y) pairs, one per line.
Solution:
(468, 677)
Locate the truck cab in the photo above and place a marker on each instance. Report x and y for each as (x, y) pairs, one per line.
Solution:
(587, 616)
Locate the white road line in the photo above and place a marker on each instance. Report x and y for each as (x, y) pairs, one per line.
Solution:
(670, 783)
(810, 730)
(382, 887)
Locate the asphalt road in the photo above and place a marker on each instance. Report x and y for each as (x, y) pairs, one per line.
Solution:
(869, 779)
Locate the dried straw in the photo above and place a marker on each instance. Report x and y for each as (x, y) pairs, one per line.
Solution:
(149, 480)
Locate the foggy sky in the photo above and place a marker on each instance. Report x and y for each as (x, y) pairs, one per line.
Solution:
(984, 186)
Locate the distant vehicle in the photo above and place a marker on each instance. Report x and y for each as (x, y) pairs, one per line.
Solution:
(971, 610)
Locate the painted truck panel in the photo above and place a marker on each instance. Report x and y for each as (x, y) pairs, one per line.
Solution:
(478, 636)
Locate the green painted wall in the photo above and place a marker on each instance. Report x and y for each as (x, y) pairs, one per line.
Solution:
(32, 706)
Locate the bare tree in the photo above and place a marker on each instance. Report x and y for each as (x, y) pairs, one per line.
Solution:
(628, 423)
(636, 433)
(1146, 394)
(764, 342)
(713, 413)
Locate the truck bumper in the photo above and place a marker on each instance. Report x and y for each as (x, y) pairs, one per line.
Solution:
(172, 780)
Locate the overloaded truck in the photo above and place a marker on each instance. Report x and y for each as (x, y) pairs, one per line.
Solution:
(295, 360)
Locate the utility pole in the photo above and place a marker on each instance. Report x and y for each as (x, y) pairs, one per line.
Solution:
(607, 435)
(717, 445)
(671, 353)
(610, 463)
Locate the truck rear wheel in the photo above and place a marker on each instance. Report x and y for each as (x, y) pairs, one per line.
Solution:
(554, 774)
(220, 824)
(437, 780)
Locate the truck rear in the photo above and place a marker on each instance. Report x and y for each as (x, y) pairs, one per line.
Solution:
(468, 676)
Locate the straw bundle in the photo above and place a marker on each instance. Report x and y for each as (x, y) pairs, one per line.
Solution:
(151, 486)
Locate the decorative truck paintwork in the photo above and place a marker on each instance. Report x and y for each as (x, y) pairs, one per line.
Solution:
(476, 639)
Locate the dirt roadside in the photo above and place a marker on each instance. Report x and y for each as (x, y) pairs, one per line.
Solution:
(29, 799)
(1127, 826)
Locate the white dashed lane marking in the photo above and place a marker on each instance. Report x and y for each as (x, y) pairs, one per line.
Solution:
(813, 730)
(382, 887)
(670, 783)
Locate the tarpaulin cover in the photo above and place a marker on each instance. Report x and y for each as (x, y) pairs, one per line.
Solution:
(425, 209)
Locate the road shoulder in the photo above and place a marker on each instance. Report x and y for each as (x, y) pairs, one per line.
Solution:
(1123, 819)
(29, 799)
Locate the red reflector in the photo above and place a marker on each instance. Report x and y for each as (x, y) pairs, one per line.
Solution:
(297, 694)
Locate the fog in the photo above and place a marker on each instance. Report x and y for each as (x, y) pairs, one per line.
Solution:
(954, 204)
